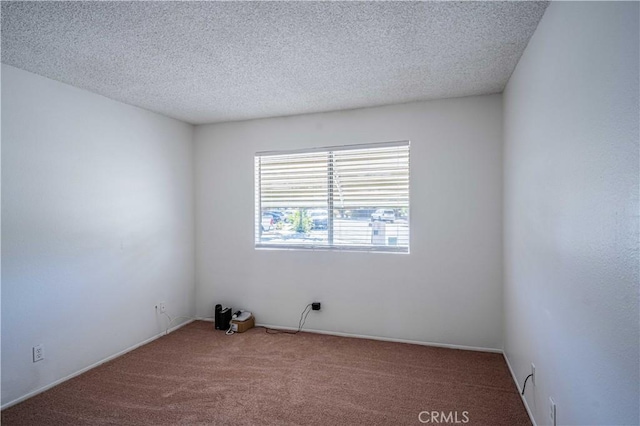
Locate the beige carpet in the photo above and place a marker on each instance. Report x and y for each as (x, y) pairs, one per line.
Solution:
(197, 375)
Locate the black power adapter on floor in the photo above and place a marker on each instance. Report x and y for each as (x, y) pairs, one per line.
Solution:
(315, 306)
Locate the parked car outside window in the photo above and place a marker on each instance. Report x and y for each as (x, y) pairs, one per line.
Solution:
(319, 219)
(277, 216)
(386, 215)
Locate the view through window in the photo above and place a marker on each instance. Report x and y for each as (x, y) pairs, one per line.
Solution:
(350, 197)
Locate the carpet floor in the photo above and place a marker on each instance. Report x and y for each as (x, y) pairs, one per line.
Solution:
(199, 376)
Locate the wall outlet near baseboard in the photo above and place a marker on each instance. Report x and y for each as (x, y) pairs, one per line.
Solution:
(533, 374)
(161, 307)
(38, 353)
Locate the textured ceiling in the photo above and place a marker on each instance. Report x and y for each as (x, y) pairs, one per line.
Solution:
(205, 62)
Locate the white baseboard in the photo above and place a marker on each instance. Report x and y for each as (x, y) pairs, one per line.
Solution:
(92, 366)
(524, 400)
(386, 339)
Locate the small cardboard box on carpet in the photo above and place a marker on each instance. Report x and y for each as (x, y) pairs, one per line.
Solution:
(242, 326)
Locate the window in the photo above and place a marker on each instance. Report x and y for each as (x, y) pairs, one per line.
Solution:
(347, 198)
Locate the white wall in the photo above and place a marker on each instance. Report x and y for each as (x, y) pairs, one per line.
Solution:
(448, 290)
(97, 226)
(571, 214)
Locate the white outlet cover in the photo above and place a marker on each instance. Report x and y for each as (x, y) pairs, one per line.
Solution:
(38, 353)
(533, 374)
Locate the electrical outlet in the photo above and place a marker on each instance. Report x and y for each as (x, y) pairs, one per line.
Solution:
(38, 353)
(315, 306)
(552, 412)
(533, 374)
(161, 307)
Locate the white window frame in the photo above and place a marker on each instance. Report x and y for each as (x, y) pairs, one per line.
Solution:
(329, 245)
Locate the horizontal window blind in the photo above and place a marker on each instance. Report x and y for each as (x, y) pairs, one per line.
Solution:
(350, 197)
